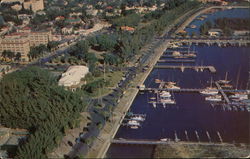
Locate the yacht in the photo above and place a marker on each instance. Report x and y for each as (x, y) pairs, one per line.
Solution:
(171, 86)
(133, 123)
(215, 98)
(239, 96)
(209, 91)
(167, 101)
(165, 94)
(138, 118)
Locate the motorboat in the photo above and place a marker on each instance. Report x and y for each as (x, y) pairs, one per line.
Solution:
(215, 98)
(134, 127)
(154, 104)
(158, 81)
(209, 91)
(239, 96)
(170, 86)
(167, 101)
(133, 123)
(138, 118)
(165, 94)
(165, 139)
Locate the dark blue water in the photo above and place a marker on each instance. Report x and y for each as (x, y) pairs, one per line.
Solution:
(229, 13)
(191, 112)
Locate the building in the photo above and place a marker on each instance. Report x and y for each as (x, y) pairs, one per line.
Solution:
(34, 5)
(17, 42)
(22, 40)
(67, 30)
(214, 32)
(72, 77)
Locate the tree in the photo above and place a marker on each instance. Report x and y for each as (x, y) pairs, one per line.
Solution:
(18, 56)
(8, 54)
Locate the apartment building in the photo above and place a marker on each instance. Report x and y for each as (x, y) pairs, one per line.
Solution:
(34, 5)
(22, 40)
(17, 42)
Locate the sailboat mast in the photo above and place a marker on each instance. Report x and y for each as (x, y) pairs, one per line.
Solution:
(237, 81)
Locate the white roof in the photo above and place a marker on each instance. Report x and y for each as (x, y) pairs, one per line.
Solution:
(73, 75)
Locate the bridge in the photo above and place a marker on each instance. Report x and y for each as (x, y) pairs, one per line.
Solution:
(196, 68)
(189, 90)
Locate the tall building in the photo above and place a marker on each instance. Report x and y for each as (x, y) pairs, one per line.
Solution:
(16, 43)
(22, 40)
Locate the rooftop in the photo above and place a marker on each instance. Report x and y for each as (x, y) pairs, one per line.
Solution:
(73, 75)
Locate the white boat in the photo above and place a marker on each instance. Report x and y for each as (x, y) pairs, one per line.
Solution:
(171, 86)
(154, 104)
(133, 123)
(167, 101)
(165, 94)
(134, 127)
(239, 96)
(142, 87)
(225, 81)
(209, 90)
(138, 118)
(165, 139)
(216, 98)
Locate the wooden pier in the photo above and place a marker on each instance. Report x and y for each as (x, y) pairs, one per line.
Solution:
(182, 51)
(176, 61)
(197, 68)
(222, 92)
(181, 56)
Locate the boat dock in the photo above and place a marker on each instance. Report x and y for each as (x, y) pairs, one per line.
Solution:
(182, 51)
(157, 142)
(189, 90)
(176, 61)
(222, 92)
(197, 68)
(172, 56)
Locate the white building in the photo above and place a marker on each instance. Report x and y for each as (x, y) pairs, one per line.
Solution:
(73, 76)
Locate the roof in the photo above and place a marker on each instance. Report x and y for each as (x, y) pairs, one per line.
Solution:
(127, 28)
(73, 75)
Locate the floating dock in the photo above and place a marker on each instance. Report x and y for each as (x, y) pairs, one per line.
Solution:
(197, 68)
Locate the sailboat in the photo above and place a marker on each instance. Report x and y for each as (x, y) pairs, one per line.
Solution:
(215, 98)
(210, 90)
(225, 81)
